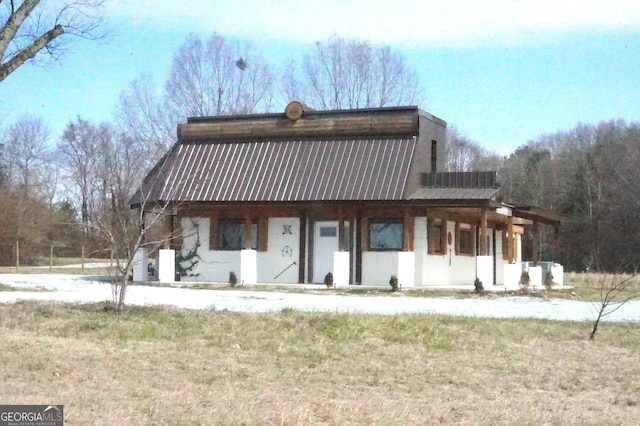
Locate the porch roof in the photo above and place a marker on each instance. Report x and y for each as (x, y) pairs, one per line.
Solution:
(468, 194)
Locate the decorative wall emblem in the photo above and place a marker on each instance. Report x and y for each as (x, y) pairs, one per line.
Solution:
(287, 251)
(286, 230)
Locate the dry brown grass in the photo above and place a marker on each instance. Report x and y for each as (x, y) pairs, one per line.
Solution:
(165, 366)
(589, 286)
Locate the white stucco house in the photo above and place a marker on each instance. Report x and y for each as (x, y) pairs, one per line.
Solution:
(289, 197)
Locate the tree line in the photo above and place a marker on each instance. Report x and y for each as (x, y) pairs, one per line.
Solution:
(590, 174)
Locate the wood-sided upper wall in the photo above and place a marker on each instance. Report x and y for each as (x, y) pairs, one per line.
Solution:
(364, 123)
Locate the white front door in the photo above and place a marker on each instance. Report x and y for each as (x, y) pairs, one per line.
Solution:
(325, 242)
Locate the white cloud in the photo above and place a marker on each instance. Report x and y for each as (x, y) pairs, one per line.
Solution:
(449, 23)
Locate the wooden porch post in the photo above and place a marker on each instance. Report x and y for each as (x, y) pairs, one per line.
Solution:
(168, 231)
(247, 232)
(510, 240)
(340, 230)
(407, 230)
(483, 232)
(536, 244)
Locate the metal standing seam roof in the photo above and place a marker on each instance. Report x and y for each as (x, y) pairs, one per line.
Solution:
(282, 171)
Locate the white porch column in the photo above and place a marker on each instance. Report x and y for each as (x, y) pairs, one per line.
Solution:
(512, 272)
(557, 270)
(166, 266)
(535, 273)
(406, 269)
(140, 265)
(484, 270)
(249, 266)
(340, 268)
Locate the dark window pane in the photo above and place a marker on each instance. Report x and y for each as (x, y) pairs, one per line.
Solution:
(328, 231)
(437, 238)
(385, 236)
(232, 235)
(465, 241)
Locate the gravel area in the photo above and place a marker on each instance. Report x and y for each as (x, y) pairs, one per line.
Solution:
(86, 289)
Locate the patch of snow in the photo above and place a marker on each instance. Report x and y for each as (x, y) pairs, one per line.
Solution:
(86, 289)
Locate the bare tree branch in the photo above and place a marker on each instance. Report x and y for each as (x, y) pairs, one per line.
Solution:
(615, 292)
(29, 30)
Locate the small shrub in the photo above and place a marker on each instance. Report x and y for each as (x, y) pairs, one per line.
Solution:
(328, 280)
(233, 280)
(393, 282)
(548, 280)
(525, 281)
(478, 285)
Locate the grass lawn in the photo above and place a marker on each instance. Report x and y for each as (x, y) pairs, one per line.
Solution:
(166, 366)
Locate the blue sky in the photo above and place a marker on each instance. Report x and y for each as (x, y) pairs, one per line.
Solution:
(501, 71)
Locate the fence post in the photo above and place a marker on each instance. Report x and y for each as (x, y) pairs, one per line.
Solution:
(82, 257)
(17, 255)
(51, 258)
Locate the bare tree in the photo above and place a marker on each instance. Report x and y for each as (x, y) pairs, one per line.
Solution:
(103, 168)
(464, 155)
(28, 152)
(78, 152)
(33, 26)
(217, 77)
(344, 73)
(126, 231)
(142, 116)
(615, 292)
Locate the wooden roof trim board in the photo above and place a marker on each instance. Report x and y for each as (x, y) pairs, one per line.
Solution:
(356, 123)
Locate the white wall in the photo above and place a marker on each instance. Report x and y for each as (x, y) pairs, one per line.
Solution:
(283, 250)
(378, 266)
(213, 266)
(449, 269)
(484, 270)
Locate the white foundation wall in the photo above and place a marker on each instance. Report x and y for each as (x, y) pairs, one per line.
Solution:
(420, 248)
(449, 268)
(378, 267)
(283, 250)
(463, 270)
(213, 266)
(484, 270)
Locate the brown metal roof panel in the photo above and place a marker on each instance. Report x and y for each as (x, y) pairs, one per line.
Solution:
(285, 171)
(251, 178)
